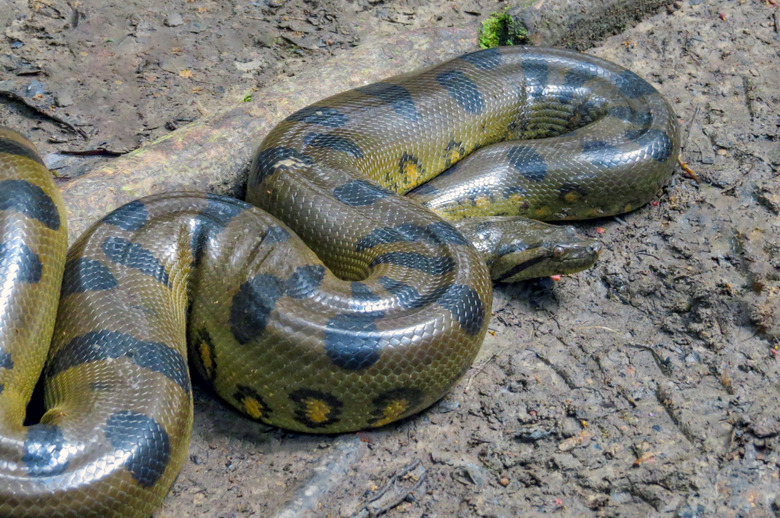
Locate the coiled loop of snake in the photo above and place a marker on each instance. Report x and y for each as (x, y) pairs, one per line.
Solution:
(373, 321)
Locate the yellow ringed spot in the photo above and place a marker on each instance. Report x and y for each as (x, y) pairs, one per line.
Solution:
(482, 201)
(572, 196)
(411, 172)
(253, 407)
(627, 208)
(515, 198)
(317, 410)
(543, 211)
(392, 411)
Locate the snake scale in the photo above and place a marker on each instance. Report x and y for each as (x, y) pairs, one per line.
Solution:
(342, 305)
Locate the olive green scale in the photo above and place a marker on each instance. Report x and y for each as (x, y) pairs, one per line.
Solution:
(341, 305)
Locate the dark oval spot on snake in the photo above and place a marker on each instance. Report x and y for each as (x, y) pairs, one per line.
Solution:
(266, 162)
(465, 305)
(135, 256)
(104, 345)
(352, 341)
(463, 90)
(30, 200)
(580, 73)
(527, 162)
(252, 304)
(321, 115)
(358, 193)
(440, 232)
(430, 265)
(396, 96)
(45, 451)
(19, 262)
(335, 142)
(484, 59)
(535, 70)
(602, 154)
(143, 441)
(131, 216)
(305, 281)
(276, 234)
(83, 274)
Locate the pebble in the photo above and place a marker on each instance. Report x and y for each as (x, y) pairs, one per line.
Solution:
(174, 19)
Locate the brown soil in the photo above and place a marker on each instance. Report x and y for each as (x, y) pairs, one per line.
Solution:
(646, 386)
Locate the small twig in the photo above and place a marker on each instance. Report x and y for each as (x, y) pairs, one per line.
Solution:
(690, 173)
(479, 370)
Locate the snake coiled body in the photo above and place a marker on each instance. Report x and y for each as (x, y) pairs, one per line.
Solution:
(347, 307)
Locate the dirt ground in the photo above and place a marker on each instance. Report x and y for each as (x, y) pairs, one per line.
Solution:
(646, 386)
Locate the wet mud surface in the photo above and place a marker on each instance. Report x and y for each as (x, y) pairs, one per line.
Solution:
(646, 386)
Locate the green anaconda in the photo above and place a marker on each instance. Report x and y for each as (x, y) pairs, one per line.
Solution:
(338, 304)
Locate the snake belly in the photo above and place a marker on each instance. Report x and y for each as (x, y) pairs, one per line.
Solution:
(349, 306)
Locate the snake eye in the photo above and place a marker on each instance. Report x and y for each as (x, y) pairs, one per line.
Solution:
(558, 252)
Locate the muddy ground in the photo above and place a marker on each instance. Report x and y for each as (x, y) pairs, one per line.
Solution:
(647, 386)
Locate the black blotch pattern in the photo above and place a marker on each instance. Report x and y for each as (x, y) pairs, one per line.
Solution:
(299, 397)
(84, 274)
(144, 441)
(484, 59)
(412, 396)
(252, 304)
(408, 297)
(352, 341)
(244, 392)
(628, 114)
(18, 257)
(6, 362)
(633, 86)
(527, 162)
(266, 162)
(45, 451)
(580, 73)
(397, 96)
(358, 193)
(103, 345)
(463, 90)
(131, 216)
(657, 142)
(511, 248)
(460, 300)
(535, 70)
(436, 233)
(133, 255)
(335, 142)
(29, 199)
(460, 152)
(430, 265)
(12, 147)
(304, 281)
(602, 154)
(321, 115)
(465, 305)
(276, 234)
(362, 293)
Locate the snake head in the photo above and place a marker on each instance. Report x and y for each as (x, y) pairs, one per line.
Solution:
(516, 248)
